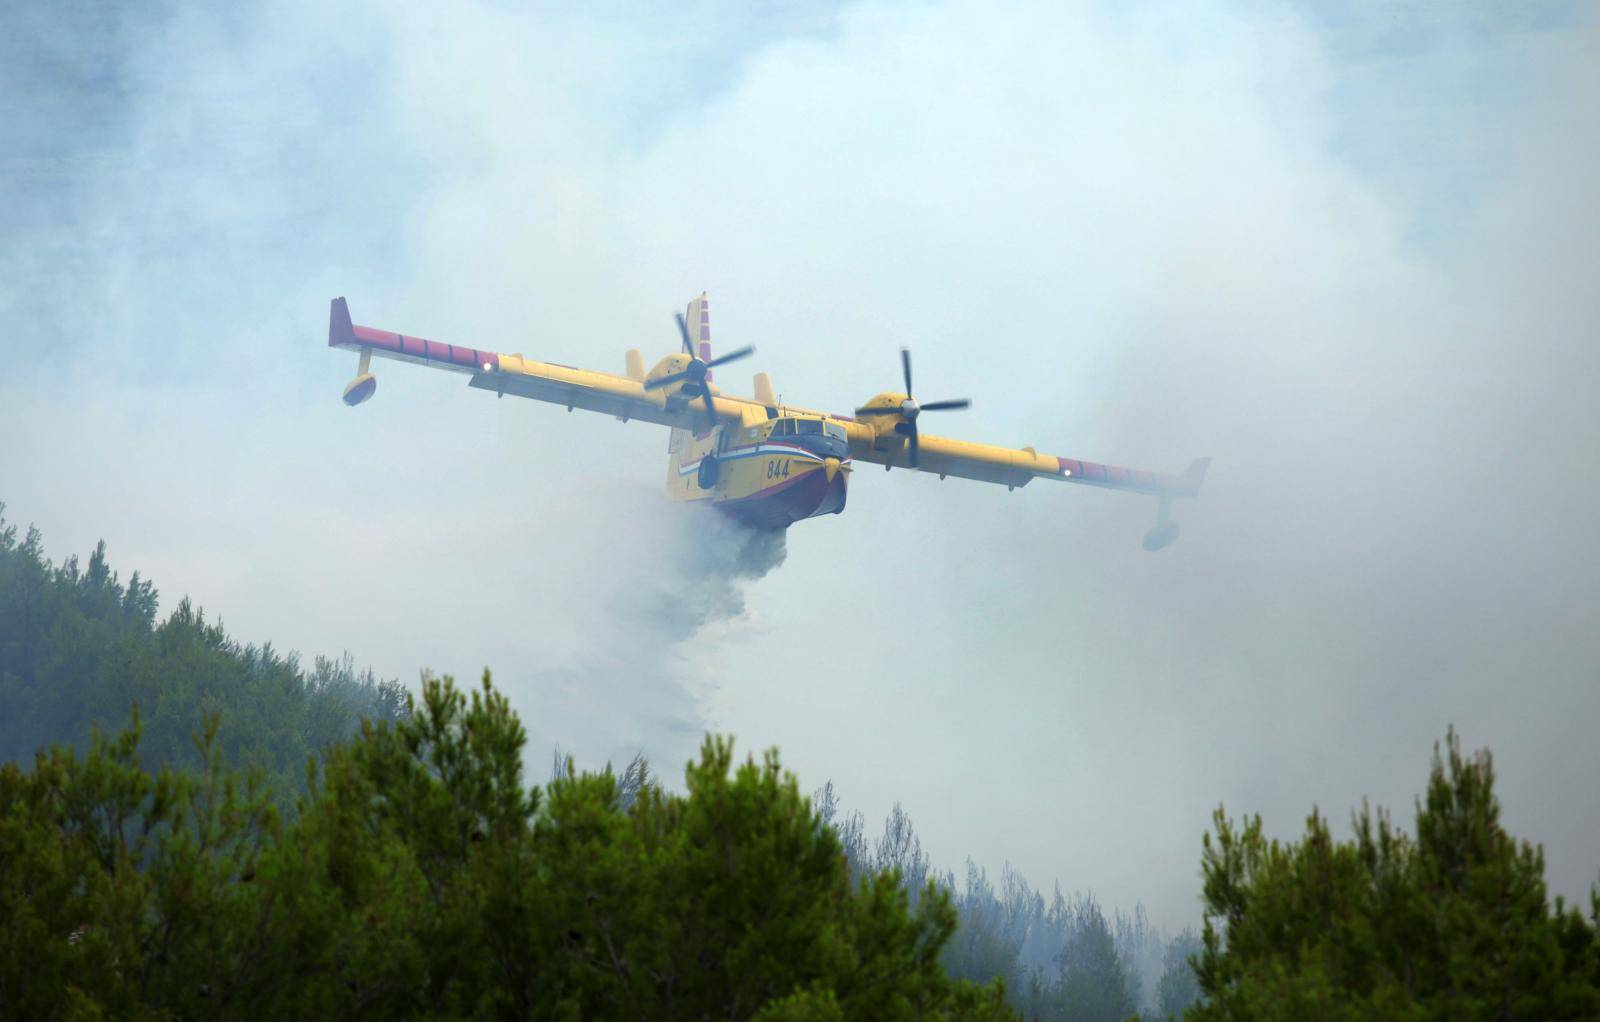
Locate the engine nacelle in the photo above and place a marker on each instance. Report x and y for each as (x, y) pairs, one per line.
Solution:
(668, 366)
(887, 421)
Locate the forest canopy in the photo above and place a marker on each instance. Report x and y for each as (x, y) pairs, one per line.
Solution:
(79, 648)
(190, 826)
(420, 878)
(1451, 922)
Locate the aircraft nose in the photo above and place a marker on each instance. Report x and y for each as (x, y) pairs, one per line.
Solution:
(830, 467)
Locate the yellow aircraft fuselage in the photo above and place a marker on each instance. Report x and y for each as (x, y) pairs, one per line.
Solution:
(768, 474)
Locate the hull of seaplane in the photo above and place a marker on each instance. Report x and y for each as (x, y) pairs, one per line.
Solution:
(759, 479)
(805, 494)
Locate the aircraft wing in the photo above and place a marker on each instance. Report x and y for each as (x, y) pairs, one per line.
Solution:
(551, 382)
(1015, 467)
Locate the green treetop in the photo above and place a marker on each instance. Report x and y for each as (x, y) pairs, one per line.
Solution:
(421, 878)
(1454, 923)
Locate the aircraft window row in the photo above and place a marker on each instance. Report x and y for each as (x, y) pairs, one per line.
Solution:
(793, 427)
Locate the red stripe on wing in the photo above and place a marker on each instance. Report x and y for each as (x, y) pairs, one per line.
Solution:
(344, 334)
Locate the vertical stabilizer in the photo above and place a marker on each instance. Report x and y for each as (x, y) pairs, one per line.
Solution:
(698, 317)
(764, 392)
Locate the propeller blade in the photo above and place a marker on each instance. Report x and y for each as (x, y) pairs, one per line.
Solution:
(947, 406)
(731, 356)
(683, 329)
(913, 452)
(663, 381)
(905, 364)
(711, 411)
(891, 410)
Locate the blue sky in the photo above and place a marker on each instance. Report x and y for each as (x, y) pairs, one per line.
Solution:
(1347, 257)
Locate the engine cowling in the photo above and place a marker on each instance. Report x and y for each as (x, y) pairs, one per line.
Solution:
(903, 410)
(886, 421)
(669, 366)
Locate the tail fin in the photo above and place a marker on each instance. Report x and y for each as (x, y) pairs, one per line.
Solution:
(341, 332)
(698, 317)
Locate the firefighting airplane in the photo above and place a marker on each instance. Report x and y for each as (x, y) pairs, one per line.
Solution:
(764, 463)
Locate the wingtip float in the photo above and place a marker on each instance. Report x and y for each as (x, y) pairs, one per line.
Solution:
(764, 463)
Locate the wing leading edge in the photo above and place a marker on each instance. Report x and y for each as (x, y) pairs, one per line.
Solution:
(1013, 467)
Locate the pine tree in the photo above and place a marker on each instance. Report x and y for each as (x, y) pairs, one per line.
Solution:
(420, 878)
(1179, 988)
(78, 649)
(1452, 924)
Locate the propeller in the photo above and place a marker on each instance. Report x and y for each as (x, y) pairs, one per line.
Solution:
(909, 409)
(697, 369)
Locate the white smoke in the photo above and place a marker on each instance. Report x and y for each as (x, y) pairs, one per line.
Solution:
(675, 578)
(1350, 257)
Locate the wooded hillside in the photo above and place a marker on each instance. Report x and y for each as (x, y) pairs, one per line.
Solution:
(194, 828)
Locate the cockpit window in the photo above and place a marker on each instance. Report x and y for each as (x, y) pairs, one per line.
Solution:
(808, 426)
(835, 430)
(783, 427)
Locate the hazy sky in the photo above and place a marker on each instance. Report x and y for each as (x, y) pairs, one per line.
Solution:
(1352, 259)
